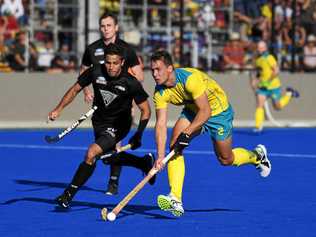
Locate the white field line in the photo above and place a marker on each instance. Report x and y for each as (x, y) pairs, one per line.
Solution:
(194, 152)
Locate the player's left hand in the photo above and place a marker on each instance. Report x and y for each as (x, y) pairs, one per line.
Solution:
(135, 140)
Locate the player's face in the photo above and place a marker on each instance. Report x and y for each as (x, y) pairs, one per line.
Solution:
(160, 72)
(261, 47)
(108, 28)
(113, 65)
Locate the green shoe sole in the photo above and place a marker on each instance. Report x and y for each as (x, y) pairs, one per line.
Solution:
(165, 205)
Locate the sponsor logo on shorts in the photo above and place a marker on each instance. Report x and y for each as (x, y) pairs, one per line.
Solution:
(220, 131)
(111, 131)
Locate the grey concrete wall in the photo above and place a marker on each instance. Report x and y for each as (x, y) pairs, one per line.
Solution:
(26, 99)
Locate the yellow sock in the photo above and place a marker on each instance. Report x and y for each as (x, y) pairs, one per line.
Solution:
(285, 99)
(176, 171)
(259, 117)
(243, 156)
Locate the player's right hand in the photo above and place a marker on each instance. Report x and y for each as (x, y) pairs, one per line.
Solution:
(159, 164)
(53, 115)
(88, 96)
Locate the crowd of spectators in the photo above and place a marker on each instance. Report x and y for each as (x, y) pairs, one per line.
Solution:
(293, 46)
(234, 34)
(19, 53)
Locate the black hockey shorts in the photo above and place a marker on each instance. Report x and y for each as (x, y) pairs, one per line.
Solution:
(107, 136)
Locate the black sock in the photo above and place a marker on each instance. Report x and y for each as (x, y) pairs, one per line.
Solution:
(115, 171)
(81, 176)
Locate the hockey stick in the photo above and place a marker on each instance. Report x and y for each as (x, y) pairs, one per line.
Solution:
(118, 150)
(53, 139)
(270, 117)
(112, 215)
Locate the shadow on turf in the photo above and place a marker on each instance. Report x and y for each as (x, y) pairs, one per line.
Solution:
(129, 210)
(46, 185)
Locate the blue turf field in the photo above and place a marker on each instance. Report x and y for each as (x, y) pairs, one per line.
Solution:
(219, 201)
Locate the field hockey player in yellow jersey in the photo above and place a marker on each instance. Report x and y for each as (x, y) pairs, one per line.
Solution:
(268, 85)
(205, 109)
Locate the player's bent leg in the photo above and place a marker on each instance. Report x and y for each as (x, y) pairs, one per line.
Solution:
(294, 92)
(149, 161)
(115, 172)
(259, 113)
(145, 163)
(176, 173)
(243, 156)
(83, 173)
(259, 119)
(224, 151)
(81, 176)
(264, 166)
(171, 204)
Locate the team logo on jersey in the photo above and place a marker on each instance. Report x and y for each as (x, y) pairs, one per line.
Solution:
(99, 52)
(101, 80)
(107, 96)
(121, 88)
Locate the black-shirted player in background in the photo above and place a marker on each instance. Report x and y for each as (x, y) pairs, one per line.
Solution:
(94, 55)
(114, 92)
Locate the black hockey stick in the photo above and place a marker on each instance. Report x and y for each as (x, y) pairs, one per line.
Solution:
(53, 139)
(118, 150)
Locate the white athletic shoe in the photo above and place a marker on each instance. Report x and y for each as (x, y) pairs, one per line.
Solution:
(265, 165)
(258, 130)
(171, 204)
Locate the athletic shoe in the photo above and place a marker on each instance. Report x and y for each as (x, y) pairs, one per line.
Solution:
(112, 188)
(149, 163)
(171, 204)
(294, 93)
(265, 165)
(64, 199)
(258, 130)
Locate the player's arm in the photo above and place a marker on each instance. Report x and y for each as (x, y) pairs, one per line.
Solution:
(86, 60)
(161, 135)
(203, 114)
(88, 95)
(136, 139)
(145, 111)
(67, 99)
(138, 72)
(254, 77)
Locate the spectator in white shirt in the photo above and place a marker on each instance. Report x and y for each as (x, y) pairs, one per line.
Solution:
(309, 60)
(46, 55)
(13, 7)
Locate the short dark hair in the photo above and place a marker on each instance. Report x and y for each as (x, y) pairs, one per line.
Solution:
(114, 49)
(108, 14)
(162, 55)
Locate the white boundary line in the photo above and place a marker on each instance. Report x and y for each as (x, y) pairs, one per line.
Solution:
(193, 152)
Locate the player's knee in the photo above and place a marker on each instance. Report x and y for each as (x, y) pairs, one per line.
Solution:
(225, 160)
(90, 157)
(277, 107)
